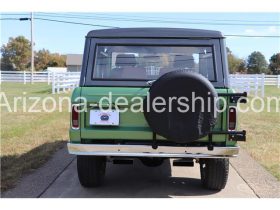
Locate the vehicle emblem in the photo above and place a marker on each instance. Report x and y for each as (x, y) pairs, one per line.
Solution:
(104, 117)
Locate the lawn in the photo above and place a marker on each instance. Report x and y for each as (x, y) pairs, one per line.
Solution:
(263, 129)
(29, 139)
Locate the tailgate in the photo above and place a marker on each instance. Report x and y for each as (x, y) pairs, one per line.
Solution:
(132, 125)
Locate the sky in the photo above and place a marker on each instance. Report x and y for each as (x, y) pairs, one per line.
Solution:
(67, 38)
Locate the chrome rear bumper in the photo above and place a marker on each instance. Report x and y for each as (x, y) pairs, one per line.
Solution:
(148, 151)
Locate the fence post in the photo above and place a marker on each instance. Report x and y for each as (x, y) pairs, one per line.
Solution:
(249, 85)
(49, 78)
(262, 84)
(256, 84)
(58, 82)
(64, 76)
(0, 77)
(24, 77)
(53, 83)
(31, 77)
(278, 82)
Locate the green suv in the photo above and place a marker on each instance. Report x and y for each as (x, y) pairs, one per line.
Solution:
(155, 94)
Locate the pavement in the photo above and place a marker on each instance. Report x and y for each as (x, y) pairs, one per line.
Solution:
(58, 179)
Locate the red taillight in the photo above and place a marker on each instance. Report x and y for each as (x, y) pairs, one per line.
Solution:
(75, 117)
(232, 118)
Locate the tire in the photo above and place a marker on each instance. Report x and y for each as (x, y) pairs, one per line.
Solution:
(181, 126)
(91, 170)
(152, 162)
(214, 173)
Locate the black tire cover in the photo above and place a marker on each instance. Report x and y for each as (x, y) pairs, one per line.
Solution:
(182, 127)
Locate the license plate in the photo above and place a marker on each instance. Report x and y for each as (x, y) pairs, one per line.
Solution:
(98, 117)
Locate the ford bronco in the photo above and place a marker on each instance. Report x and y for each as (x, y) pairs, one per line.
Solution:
(155, 94)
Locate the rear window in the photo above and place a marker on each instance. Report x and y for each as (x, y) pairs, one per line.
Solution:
(150, 62)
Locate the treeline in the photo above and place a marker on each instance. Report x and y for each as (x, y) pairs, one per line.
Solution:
(16, 56)
(254, 64)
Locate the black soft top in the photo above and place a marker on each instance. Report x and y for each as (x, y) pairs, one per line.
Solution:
(154, 33)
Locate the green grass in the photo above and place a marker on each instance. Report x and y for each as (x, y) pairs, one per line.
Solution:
(263, 134)
(29, 139)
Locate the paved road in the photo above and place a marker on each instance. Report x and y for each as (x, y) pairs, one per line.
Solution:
(124, 181)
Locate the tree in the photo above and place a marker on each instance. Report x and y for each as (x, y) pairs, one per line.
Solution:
(256, 63)
(16, 54)
(235, 64)
(41, 59)
(242, 67)
(57, 60)
(274, 63)
(45, 59)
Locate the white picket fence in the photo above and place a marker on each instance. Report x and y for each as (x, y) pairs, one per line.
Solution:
(65, 81)
(253, 84)
(61, 82)
(272, 80)
(25, 76)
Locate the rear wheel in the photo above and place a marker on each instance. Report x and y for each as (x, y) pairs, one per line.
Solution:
(91, 170)
(214, 173)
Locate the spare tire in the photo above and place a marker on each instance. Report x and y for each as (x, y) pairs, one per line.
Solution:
(174, 121)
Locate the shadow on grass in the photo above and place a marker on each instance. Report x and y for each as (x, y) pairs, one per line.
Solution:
(13, 167)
